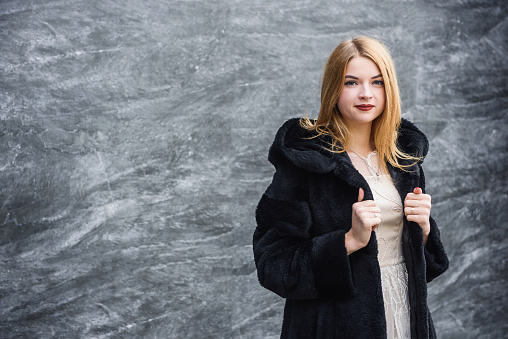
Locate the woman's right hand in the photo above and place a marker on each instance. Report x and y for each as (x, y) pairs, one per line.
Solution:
(366, 218)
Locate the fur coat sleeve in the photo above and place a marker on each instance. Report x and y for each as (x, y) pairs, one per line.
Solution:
(435, 257)
(290, 261)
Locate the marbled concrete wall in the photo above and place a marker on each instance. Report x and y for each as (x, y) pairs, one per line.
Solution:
(134, 136)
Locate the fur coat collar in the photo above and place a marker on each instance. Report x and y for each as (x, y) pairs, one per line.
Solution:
(300, 148)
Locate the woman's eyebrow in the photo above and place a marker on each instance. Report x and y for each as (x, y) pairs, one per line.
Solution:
(353, 77)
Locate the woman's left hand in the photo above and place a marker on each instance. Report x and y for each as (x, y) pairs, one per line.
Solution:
(417, 209)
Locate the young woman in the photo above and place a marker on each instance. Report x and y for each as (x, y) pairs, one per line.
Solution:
(344, 230)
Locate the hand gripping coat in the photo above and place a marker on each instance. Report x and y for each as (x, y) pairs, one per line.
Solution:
(299, 241)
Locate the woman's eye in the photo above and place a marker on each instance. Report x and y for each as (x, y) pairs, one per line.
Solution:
(350, 83)
(378, 83)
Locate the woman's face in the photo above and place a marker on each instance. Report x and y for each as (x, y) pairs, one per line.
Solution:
(363, 97)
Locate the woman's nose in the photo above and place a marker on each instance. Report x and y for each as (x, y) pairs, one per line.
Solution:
(365, 93)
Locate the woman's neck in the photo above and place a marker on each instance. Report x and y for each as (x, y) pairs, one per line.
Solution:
(360, 139)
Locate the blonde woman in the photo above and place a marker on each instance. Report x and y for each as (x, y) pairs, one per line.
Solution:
(344, 230)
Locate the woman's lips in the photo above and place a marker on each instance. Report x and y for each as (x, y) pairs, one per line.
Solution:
(364, 107)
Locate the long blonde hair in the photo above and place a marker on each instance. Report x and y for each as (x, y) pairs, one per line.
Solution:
(385, 126)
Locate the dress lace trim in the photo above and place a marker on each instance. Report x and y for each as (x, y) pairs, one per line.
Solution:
(396, 301)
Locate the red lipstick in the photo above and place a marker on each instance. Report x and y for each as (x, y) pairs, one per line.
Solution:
(364, 107)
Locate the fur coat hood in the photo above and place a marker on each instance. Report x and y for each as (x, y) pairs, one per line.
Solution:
(299, 247)
(297, 145)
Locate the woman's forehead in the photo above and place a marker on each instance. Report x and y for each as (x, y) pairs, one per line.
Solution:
(362, 66)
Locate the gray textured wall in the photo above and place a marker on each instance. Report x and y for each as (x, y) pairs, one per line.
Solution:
(133, 143)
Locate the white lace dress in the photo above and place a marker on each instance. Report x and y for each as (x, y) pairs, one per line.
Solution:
(389, 238)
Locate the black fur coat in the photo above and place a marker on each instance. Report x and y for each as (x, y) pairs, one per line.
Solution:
(299, 241)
